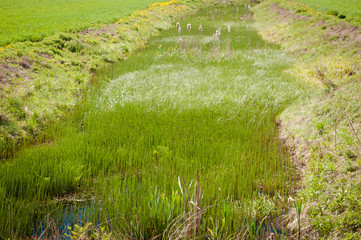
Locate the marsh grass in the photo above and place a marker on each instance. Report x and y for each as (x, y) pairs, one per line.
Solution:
(175, 146)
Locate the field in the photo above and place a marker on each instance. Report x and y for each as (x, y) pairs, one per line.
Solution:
(33, 20)
(350, 8)
(182, 141)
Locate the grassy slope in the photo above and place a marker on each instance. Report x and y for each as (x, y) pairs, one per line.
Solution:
(33, 20)
(40, 82)
(350, 8)
(324, 131)
(169, 115)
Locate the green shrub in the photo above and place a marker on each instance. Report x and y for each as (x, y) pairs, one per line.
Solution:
(75, 46)
(333, 13)
(300, 10)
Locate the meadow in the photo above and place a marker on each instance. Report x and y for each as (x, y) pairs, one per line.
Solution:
(350, 9)
(179, 141)
(34, 20)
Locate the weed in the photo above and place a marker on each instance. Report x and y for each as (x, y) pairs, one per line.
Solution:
(171, 144)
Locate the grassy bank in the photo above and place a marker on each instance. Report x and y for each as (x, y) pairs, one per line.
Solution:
(325, 131)
(34, 20)
(182, 143)
(349, 10)
(41, 81)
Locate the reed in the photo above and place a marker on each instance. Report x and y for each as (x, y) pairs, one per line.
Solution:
(172, 146)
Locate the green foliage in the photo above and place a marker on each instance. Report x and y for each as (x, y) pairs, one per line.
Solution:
(88, 232)
(47, 78)
(162, 118)
(325, 128)
(333, 12)
(336, 8)
(19, 24)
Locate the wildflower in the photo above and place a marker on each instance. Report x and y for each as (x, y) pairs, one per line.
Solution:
(179, 30)
(200, 28)
(189, 27)
(178, 25)
(229, 28)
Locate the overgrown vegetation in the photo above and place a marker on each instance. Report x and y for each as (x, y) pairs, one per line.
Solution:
(324, 131)
(180, 142)
(40, 82)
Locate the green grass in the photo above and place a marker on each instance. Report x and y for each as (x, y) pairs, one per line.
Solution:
(350, 8)
(33, 20)
(323, 130)
(138, 141)
(42, 81)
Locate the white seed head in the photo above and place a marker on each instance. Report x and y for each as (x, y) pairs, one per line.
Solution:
(178, 25)
(218, 33)
(229, 28)
(179, 30)
(219, 30)
(200, 28)
(180, 40)
(189, 27)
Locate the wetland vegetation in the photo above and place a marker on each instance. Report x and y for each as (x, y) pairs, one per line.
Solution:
(182, 140)
(179, 122)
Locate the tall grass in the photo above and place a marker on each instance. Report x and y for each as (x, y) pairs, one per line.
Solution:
(177, 145)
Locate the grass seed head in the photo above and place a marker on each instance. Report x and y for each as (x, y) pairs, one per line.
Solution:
(217, 34)
(189, 27)
(229, 28)
(247, 27)
(178, 25)
(179, 30)
(200, 28)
